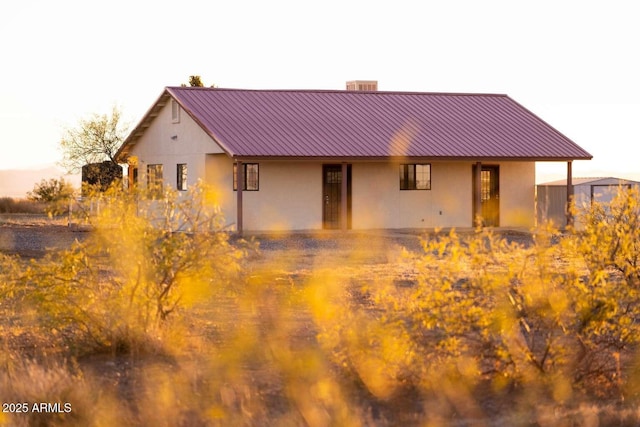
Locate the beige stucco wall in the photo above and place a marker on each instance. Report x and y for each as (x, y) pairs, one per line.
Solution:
(219, 175)
(378, 201)
(290, 195)
(517, 194)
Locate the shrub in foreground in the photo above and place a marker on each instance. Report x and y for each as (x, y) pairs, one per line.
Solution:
(550, 325)
(540, 334)
(140, 266)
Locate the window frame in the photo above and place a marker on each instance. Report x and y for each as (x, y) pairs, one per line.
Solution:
(181, 176)
(155, 180)
(409, 176)
(256, 177)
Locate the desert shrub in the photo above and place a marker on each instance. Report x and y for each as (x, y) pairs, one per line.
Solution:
(486, 319)
(54, 193)
(611, 235)
(140, 265)
(526, 335)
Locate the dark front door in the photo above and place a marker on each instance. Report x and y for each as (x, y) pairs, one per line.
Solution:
(489, 197)
(332, 201)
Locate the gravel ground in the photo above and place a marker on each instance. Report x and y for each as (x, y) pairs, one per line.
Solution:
(34, 237)
(35, 240)
(378, 244)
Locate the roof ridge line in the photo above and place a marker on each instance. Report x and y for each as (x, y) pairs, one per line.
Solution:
(355, 92)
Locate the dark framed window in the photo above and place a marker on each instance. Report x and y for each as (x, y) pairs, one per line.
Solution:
(181, 173)
(154, 180)
(415, 177)
(251, 177)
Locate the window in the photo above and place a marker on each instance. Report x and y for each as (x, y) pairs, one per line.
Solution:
(181, 183)
(134, 178)
(251, 177)
(415, 177)
(154, 180)
(175, 111)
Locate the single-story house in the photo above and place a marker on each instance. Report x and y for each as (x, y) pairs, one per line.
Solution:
(360, 159)
(552, 196)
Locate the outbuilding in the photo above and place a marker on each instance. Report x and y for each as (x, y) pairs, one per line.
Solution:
(552, 196)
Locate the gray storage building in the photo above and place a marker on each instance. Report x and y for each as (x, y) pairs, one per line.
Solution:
(551, 197)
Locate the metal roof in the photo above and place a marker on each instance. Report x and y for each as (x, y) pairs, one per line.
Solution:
(351, 124)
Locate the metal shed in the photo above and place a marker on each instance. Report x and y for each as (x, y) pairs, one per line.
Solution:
(551, 197)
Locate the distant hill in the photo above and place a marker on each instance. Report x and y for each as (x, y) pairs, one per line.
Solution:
(17, 182)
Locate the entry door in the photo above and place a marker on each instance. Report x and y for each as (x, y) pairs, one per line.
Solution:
(332, 201)
(490, 195)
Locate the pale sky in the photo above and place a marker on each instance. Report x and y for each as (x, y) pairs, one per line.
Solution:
(573, 63)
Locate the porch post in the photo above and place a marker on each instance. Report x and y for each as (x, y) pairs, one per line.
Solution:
(569, 207)
(239, 188)
(343, 199)
(477, 196)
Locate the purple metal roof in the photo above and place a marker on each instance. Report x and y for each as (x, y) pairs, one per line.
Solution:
(349, 124)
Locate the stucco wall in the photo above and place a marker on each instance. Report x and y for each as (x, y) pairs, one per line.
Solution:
(378, 201)
(219, 175)
(290, 196)
(517, 194)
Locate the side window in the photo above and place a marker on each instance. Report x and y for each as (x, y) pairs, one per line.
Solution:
(154, 181)
(181, 173)
(251, 177)
(415, 177)
(175, 111)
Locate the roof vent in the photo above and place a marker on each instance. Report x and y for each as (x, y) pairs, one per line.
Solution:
(363, 85)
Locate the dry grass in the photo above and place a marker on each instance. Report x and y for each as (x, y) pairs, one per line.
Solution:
(32, 220)
(10, 205)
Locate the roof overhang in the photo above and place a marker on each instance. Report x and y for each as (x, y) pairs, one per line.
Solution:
(400, 159)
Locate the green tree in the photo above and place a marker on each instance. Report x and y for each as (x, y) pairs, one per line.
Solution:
(195, 81)
(94, 140)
